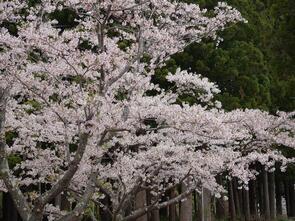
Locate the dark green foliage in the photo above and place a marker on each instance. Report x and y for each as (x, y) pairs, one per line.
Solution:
(34, 106)
(11, 27)
(32, 3)
(66, 18)
(13, 160)
(255, 64)
(10, 136)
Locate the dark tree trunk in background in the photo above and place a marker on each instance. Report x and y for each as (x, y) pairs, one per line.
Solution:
(246, 205)
(242, 203)
(172, 208)
(266, 195)
(103, 212)
(253, 199)
(62, 202)
(232, 207)
(220, 204)
(186, 207)
(195, 205)
(154, 215)
(199, 214)
(9, 211)
(279, 192)
(236, 197)
(140, 202)
(206, 205)
(261, 196)
(291, 198)
(272, 196)
(220, 208)
(287, 197)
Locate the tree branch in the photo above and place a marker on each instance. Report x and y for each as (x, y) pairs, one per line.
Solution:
(17, 196)
(73, 167)
(81, 206)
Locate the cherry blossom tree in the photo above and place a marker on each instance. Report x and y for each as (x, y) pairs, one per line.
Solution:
(87, 119)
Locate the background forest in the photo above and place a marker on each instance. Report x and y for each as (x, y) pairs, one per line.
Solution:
(254, 66)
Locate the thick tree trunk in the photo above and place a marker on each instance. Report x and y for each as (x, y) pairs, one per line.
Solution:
(266, 195)
(186, 207)
(232, 207)
(272, 196)
(140, 202)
